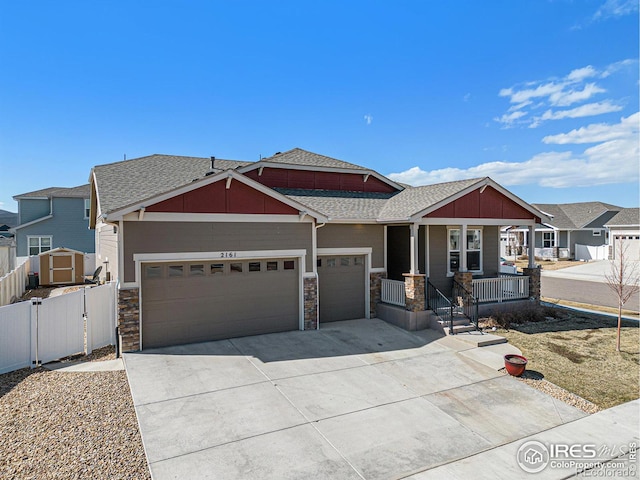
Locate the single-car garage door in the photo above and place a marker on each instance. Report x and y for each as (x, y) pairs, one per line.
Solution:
(630, 244)
(187, 302)
(341, 287)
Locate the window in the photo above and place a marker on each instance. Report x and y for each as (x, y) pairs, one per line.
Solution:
(331, 262)
(196, 270)
(548, 239)
(597, 233)
(236, 268)
(358, 261)
(272, 266)
(154, 271)
(290, 264)
(254, 266)
(87, 207)
(176, 270)
(37, 245)
(473, 248)
(217, 268)
(344, 261)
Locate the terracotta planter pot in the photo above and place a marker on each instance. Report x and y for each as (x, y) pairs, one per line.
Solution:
(515, 364)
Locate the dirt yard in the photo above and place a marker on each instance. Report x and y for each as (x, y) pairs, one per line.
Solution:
(547, 264)
(576, 351)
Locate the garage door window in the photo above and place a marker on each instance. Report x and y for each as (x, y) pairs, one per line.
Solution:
(289, 265)
(236, 268)
(254, 266)
(176, 270)
(344, 261)
(358, 260)
(217, 268)
(196, 270)
(272, 266)
(153, 271)
(331, 262)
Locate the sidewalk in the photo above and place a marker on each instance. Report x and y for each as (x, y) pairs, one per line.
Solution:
(608, 432)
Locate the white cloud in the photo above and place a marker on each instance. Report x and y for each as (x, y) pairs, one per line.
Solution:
(587, 110)
(368, 119)
(572, 89)
(598, 132)
(466, 97)
(615, 8)
(614, 160)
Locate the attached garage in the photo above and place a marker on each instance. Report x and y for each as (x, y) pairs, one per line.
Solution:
(197, 301)
(630, 244)
(341, 287)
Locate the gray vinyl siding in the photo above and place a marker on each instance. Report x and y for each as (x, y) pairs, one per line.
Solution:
(107, 248)
(30, 210)
(350, 236)
(68, 227)
(561, 239)
(585, 237)
(490, 251)
(171, 237)
(438, 258)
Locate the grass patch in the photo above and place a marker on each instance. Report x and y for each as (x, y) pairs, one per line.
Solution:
(577, 352)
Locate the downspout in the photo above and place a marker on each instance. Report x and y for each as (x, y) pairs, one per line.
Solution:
(318, 284)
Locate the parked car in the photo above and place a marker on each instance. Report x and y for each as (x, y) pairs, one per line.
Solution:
(507, 266)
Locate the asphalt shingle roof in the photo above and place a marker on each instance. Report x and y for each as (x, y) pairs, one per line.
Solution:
(628, 217)
(298, 156)
(413, 200)
(123, 183)
(575, 215)
(340, 205)
(81, 191)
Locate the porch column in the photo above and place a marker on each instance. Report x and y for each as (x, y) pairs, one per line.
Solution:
(534, 282)
(414, 286)
(532, 246)
(414, 248)
(463, 247)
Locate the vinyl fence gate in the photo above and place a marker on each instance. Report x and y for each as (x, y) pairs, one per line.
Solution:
(43, 330)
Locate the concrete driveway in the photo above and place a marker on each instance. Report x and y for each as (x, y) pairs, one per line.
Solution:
(357, 399)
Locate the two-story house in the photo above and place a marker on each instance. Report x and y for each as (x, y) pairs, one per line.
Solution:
(51, 218)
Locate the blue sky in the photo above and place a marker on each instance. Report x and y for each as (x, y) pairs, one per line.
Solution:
(540, 95)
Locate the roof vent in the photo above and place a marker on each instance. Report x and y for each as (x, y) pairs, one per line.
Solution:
(277, 153)
(213, 166)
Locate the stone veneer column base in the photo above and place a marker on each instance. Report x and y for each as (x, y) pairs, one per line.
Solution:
(375, 291)
(414, 286)
(465, 279)
(534, 282)
(129, 319)
(310, 303)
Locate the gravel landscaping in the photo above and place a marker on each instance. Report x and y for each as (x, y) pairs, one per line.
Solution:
(79, 425)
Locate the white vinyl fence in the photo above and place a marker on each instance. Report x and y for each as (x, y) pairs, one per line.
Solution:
(13, 283)
(506, 287)
(592, 252)
(393, 292)
(44, 330)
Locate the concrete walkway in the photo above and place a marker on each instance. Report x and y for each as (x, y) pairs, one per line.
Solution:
(359, 399)
(593, 271)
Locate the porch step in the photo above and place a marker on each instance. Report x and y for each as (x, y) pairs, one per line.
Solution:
(480, 339)
(459, 326)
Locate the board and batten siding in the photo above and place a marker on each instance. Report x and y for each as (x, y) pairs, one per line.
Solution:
(68, 227)
(170, 237)
(353, 236)
(490, 251)
(107, 248)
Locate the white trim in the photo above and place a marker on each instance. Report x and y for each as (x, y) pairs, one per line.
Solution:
(462, 250)
(32, 222)
(120, 246)
(225, 175)
(377, 270)
(414, 239)
(314, 247)
(84, 212)
(216, 217)
(385, 248)
(366, 251)
(427, 257)
(219, 255)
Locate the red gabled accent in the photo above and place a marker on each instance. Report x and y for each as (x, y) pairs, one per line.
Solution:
(309, 179)
(216, 198)
(488, 204)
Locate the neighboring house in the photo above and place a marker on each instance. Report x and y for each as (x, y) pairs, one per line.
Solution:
(51, 218)
(206, 249)
(8, 220)
(625, 228)
(570, 224)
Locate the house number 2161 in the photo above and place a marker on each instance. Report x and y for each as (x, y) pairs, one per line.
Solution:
(228, 255)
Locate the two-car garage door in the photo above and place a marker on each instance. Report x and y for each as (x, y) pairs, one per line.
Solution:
(195, 301)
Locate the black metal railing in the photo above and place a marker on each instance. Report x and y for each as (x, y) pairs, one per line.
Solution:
(464, 303)
(440, 305)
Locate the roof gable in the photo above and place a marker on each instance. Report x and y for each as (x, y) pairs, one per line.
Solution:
(298, 156)
(571, 216)
(81, 191)
(627, 217)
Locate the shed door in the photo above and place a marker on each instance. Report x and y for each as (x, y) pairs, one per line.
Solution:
(188, 302)
(341, 287)
(61, 268)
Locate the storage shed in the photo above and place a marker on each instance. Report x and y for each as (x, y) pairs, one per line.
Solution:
(61, 266)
